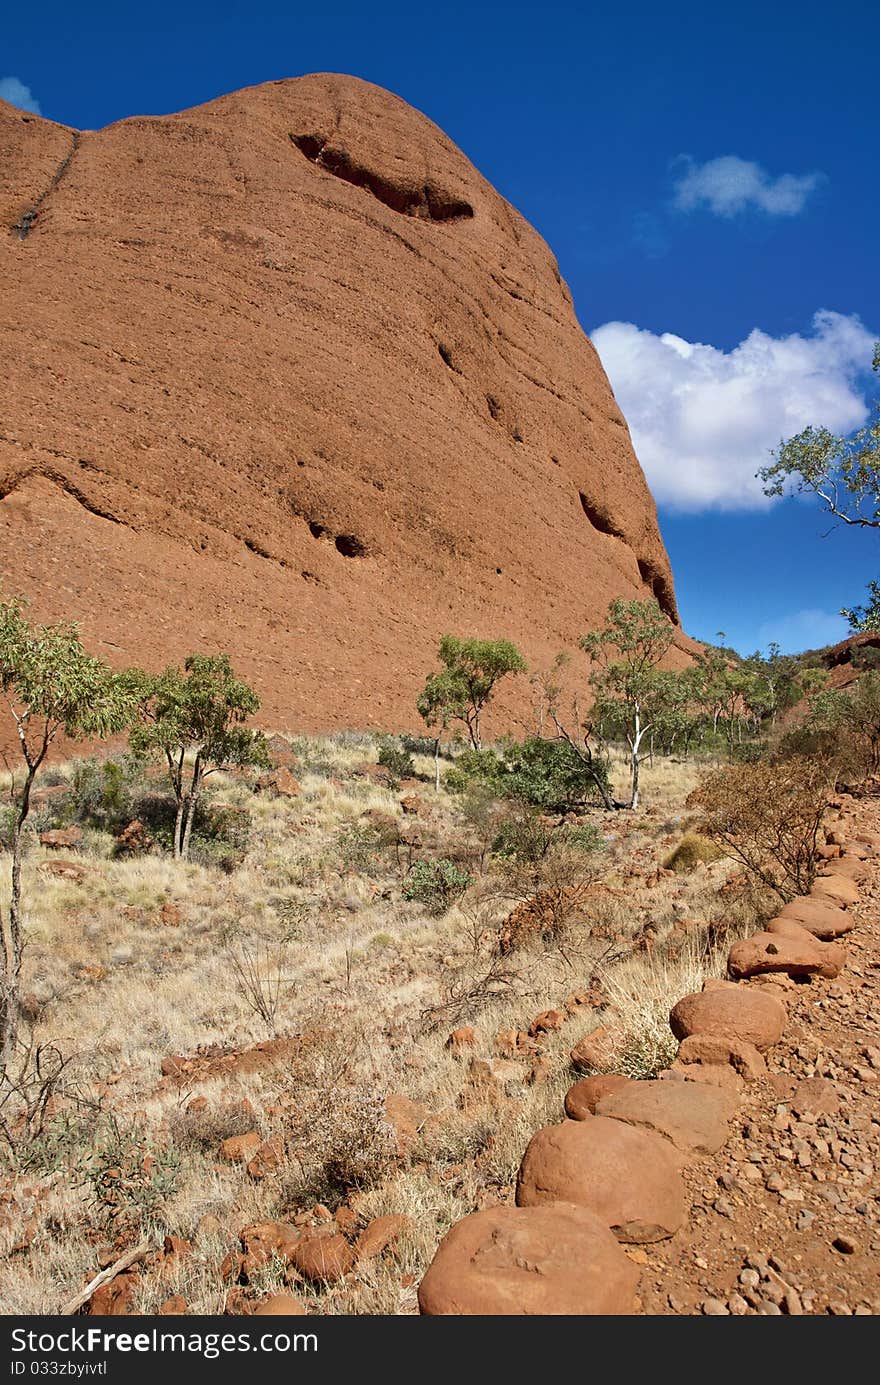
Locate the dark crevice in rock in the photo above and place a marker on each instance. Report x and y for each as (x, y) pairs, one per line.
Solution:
(350, 546)
(253, 547)
(316, 530)
(446, 357)
(428, 202)
(661, 588)
(64, 484)
(25, 223)
(494, 406)
(598, 517)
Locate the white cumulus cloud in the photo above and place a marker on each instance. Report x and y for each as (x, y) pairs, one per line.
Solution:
(13, 90)
(729, 185)
(704, 420)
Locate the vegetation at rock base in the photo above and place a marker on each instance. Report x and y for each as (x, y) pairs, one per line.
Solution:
(276, 1008)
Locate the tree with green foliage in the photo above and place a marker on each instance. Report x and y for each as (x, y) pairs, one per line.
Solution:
(465, 685)
(194, 719)
(626, 654)
(865, 619)
(50, 687)
(843, 473)
(844, 725)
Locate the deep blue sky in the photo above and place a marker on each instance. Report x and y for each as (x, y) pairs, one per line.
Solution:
(576, 112)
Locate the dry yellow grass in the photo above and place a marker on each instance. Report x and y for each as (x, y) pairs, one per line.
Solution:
(118, 979)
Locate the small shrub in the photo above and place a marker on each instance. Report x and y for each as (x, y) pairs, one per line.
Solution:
(395, 757)
(102, 793)
(768, 815)
(691, 850)
(546, 774)
(204, 1128)
(129, 1182)
(359, 846)
(435, 884)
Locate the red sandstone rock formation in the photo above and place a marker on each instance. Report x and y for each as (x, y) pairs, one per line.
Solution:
(284, 375)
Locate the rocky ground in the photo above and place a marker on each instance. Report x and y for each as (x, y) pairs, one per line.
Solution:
(786, 1218)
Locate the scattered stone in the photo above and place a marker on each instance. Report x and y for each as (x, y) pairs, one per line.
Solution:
(715, 1049)
(62, 838)
(406, 1118)
(268, 1159)
(173, 1307)
(116, 1298)
(280, 1306)
(553, 1260)
(381, 1233)
(546, 1022)
(715, 1308)
(596, 1050)
(822, 918)
(461, 1039)
(628, 1177)
(278, 783)
(238, 1149)
(836, 887)
(815, 1096)
(64, 870)
(323, 1259)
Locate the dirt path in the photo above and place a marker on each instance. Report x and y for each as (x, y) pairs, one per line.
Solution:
(786, 1219)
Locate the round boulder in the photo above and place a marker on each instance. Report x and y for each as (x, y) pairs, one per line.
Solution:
(580, 1100)
(557, 1260)
(820, 917)
(835, 887)
(732, 1012)
(630, 1178)
(788, 949)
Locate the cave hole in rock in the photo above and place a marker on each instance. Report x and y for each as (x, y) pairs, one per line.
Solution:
(428, 202)
(599, 518)
(350, 546)
(316, 530)
(660, 587)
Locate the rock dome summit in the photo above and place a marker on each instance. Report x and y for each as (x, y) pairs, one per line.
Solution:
(285, 375)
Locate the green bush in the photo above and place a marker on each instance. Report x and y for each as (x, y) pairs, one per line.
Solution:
(395, 757)
(102, 793)
(359, 846)
(548, 774)
(435, 884)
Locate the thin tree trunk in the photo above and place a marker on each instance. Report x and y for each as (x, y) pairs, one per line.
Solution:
(195, 790)
(437, 763)
(634, 745)
(12, 942)
(187, 830)
(178, 824)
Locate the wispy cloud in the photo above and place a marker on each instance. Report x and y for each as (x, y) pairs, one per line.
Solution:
(729, 185)
(14, 90)
(808, 629)
(703, 420)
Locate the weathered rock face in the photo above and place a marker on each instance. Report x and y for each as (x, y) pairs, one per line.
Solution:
(285, 376)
